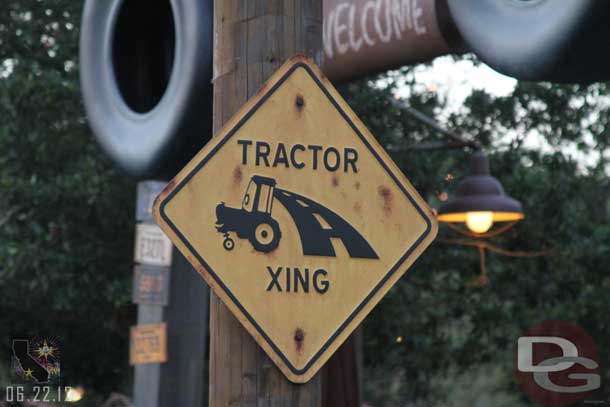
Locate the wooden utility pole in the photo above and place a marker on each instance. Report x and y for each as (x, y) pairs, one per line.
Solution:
(251, 40)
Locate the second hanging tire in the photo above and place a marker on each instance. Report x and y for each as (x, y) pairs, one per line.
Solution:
(551, 40)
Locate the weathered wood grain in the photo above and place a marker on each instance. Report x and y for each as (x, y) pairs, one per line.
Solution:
(252, 39)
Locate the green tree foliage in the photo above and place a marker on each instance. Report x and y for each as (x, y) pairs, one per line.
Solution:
(439, 338)
(66, 217)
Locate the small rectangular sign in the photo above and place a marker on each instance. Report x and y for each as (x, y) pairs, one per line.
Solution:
(150, 285)
(147, 192)
(148, 344)
(152, 245)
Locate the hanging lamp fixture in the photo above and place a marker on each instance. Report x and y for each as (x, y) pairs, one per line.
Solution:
(480, 200)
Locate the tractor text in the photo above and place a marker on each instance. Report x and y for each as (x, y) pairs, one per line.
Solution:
(299, 156)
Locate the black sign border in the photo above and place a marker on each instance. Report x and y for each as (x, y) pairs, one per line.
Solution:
(228, 292)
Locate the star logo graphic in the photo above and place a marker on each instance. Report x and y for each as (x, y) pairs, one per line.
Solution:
(45, 351)
(36, 359)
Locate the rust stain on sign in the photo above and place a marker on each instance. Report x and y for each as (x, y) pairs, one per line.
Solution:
(386, 195)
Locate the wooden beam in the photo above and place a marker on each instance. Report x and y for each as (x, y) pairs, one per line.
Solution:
(251, 40)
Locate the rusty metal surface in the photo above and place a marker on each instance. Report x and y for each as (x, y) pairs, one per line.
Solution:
(323, 230)
(370, 36)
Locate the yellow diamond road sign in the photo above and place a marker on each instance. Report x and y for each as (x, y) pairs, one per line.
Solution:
(297, 218)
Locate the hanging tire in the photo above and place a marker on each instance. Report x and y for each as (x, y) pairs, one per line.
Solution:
(266, 236)
(553, 40)
(146, 69)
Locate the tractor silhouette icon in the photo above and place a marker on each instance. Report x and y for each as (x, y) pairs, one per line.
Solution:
(253, 220)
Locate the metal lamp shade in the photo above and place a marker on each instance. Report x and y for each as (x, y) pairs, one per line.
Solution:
(480, 192)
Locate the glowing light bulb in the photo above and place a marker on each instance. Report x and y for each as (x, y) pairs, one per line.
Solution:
(479, 222)
(74, 394)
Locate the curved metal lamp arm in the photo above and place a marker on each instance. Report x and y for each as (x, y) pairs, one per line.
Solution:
(456, 141)
(482, 280)
(495, 249)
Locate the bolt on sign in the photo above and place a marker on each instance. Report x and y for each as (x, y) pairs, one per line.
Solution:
(297, 218)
